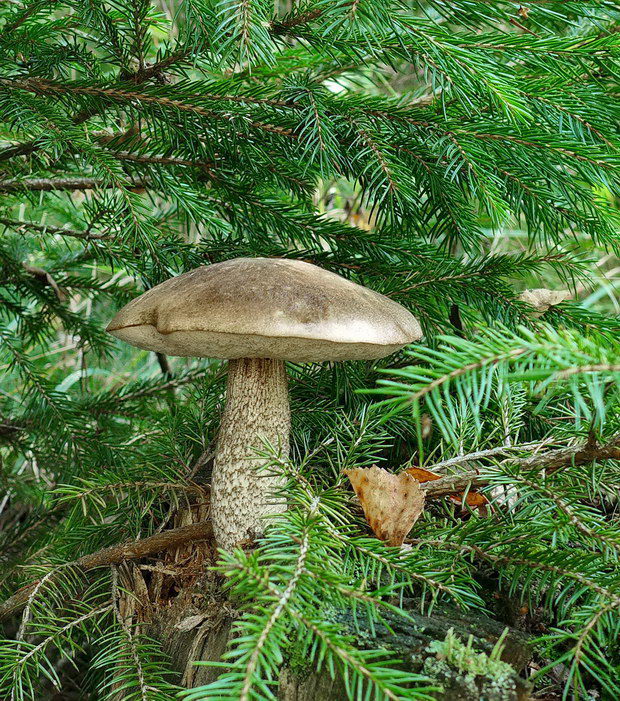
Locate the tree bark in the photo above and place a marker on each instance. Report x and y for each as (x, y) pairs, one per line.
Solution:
(195, 628)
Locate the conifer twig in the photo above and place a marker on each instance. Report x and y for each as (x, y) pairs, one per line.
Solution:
(28, 147)
(479, 454)
(122, 95)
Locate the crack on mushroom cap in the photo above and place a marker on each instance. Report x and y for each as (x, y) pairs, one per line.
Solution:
(265, 307)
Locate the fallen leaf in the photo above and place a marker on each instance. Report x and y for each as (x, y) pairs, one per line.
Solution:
(543, 299)
(422, 475)
(392, 503)
(474, 498)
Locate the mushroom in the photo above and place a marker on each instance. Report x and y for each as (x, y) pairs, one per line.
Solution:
(257, 313)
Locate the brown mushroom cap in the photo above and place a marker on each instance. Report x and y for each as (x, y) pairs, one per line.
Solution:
(265, 308)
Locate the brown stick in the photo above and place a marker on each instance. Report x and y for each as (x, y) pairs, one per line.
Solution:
(49, 184)
(452, 484)
(24, 226)
(550, 461)
(116, 554)
(575, 455)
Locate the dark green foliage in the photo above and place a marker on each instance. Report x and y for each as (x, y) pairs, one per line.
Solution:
(447, 154)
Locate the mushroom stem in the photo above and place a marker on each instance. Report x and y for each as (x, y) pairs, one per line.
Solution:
(257, 411)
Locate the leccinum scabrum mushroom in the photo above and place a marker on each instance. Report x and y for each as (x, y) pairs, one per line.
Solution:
(257, 313)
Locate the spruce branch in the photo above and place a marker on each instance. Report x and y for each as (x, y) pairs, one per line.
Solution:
(150, 388)
(392, 563)
(280, 604)
(35, 650)
(529, 563)
(125, 626)
(584, 638)
(140, 76)
(21, 17)
(573, 517)
(122, 95)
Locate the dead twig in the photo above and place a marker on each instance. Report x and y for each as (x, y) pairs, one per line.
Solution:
(117, 554)
(550, 461)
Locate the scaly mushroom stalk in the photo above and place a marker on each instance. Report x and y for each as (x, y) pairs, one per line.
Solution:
(257, 412)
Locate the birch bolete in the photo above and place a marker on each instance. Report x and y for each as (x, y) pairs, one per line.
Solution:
(258, 313)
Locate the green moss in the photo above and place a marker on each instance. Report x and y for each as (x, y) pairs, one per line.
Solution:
(476, 675)
(464, 658)
(297, 661)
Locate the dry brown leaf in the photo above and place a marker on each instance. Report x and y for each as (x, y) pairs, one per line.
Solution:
(542, 299)
(392, 503)
(474, 498)
(422, 475)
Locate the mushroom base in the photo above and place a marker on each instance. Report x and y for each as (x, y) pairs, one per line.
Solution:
(257, 413)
